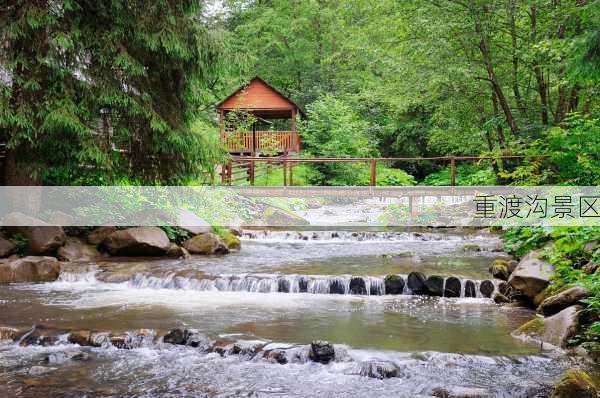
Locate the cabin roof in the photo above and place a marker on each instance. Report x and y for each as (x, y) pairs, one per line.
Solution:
(260, 98)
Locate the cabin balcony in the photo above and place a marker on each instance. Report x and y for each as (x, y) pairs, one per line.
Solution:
(257, 142)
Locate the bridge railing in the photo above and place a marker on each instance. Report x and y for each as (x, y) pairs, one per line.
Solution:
(252, 163)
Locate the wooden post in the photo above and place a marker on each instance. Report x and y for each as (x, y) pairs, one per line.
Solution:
(223, 173)
(285, 173)
(373, 172)
(229, 171)
(251, 172)
(452, 171)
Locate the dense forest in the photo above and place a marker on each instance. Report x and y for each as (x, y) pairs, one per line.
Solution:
(411, 78)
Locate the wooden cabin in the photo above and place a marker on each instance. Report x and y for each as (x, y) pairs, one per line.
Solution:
(273, 127)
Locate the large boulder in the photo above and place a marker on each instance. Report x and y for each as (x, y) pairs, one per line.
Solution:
(575, 383)
(556, 330)
(321, 351)
(75, 249)
(276, 217)
(190, 222)
(42, 238)
(562, 300)
(207, 243)
(96, 236)
(140, 241)
(6, 247)
(30, 269)
(532, 275)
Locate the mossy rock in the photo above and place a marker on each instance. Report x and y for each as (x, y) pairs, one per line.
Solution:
(232, 241)
(535, 325)
(471, 247)
(499, 269)
(575, 383)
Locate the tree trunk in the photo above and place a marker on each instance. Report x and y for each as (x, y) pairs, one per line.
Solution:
(537, 70)
(487, 60)
(499, 129)
(515, 58)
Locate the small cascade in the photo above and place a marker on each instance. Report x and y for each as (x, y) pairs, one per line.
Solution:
(317, 284)
(353, 236)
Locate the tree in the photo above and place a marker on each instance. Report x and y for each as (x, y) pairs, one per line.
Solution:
(86, 74)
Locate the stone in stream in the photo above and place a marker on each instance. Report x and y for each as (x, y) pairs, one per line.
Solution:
(452, 287)
(283, 285)
(562, 300)
(416, 282)
(460, 392)
(276, 356)
(30, 269)
(75, 249)
(532, 275)
(42, 238)
(486, 288)
(80, 337)
(207, 243)
(379, 369)
(336, 287)
(556, 329)
(175, 336)
(470, 289)
(357, 286)
(394, 284)
(302, 285)
(499, 269)
(321, 351)
(96, 236)
(575, 383)
(435, 285)
(6, 247)
(140, 241)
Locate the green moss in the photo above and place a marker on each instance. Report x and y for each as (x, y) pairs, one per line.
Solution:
(575, 383)
(535, 325)
(232, 241)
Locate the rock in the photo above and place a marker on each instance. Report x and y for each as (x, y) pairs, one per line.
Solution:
(175, 336)
(303, 285)
(416, 282)
(276, 356)
(511, 265)
(59, 218)
(435, 285)
(379, 369)
(555, 330)
(504, 289)
(499, 298)
(30, 269)
(283, 285)
(99, 234)
(276, 217)
(575, 383)
(394, 284)
(591, 267)
(562, 300)
(81, 337)
(591, 246)
(177, 251)
(195, 339)
(532, 275)
(207, 243)
(41, 237)
(470, 289)
(231, 241)
(471, 247)
(190, 222)
(486, 288)
(336, 287)
(6, 247)
(140, 241)
(357, 286)
(452, 287)
(38, 335)
(460, 392)
(75, 249)
(8, 333)
(321, 351)
(541, 296)
(499, 270)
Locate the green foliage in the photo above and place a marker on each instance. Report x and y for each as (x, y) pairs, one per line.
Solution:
(466, 174)
(87, 104)
(176, 234)
(520, 241)
(20, 243)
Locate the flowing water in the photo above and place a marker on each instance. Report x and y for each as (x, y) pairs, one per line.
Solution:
(284, 289)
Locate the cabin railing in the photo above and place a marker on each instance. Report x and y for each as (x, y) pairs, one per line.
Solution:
(262, 141)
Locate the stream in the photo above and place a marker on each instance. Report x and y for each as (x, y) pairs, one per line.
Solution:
(282, 289)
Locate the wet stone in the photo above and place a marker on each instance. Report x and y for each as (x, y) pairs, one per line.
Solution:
(452, 287)
(175, 336)
(276, 356)
(394, 284)
(486, 288)
(379, 369)
(470, 290)
(321, 351)
(416, 283)
(283, 285)
(358, 286)
(303, 285)
(336, 287)
(435, 285)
